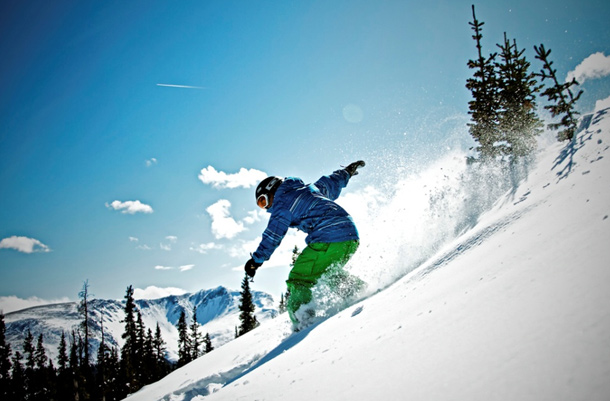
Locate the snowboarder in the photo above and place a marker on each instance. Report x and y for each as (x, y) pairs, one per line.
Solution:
(332, 235)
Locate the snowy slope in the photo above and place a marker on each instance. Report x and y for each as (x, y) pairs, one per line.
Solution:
(217, 313)
(515, 308)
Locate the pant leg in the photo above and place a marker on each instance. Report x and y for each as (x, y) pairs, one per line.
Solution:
(312, 263)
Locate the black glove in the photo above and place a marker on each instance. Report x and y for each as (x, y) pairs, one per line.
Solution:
(251, 267)
(352, 168)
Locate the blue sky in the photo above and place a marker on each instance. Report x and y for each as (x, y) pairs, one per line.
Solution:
(89, 127)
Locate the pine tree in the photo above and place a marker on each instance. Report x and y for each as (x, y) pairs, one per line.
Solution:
(28, 349)
(102, 376)
(5, 362)
(62, 353)
(518, 123)
(561, 95)
(129, 350)
(18, 388)
(196, 338)
(83, 310)
(64, 376)
(140, 351)
(40, 386)
(184, 346)
(148, 356)
(113, 375)
(40, 355)
(208, 343)
(159, 350)
(246, 307)
(485, 102)
(282, 306)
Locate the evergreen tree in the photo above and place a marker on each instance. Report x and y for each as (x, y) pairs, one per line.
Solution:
(140, 356)
(18, 383)
(485, 102)
(129, 349)
(40, 355)
(282, 306)
(40, 388)
(148, 356)
(208, 343)
(102, 376)
(518, 123)
(5, 362)
(113, 375)
(159, 350)
(28, 349)
(246, 307)
(184, 347)
(62, 353)
(561, 95)
(196, 338)
(64, 376)
(85, 313)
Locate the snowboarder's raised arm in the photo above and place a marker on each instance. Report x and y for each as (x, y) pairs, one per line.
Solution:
(331, 185)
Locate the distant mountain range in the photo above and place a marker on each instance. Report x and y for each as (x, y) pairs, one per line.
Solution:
(217, 313)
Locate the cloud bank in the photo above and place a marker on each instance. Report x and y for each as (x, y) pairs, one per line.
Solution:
(595, 66)
(245, 178)
(24, 244)
(152, 292)
(130, 207)
(12, 303)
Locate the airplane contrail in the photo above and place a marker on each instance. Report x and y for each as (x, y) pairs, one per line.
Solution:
(181, 86)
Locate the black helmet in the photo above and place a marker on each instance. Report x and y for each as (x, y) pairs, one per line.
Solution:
(267, 187)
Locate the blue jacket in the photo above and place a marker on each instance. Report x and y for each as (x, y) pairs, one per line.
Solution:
(309, 208)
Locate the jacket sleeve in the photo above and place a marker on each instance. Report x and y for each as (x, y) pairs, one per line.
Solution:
(272, 237)
(331, 185)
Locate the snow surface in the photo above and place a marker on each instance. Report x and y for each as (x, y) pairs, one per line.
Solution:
(515, 307)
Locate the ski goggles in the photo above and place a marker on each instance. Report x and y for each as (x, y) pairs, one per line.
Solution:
(263, 201)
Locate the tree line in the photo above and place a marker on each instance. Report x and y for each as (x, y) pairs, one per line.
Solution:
(114, 374)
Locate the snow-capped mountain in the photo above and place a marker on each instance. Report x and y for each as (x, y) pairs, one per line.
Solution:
(217, 313)
(516, 306)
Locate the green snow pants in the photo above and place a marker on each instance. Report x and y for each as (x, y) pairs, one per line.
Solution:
(312, 263)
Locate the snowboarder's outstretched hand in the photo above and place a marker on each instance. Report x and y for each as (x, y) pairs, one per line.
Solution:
(251, 267)
(352, 168)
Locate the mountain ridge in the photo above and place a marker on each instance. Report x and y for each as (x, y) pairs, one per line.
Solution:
(217, 314)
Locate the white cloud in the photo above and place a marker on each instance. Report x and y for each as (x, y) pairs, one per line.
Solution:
(12, 303)
(185, 268)
(223, 225)
(144, 247)
(245, 178)
(595, 66)
(168, 246)
(133, 239)
(130, 207)
(244, 248)
(254, 216)
(182, 268)
(24, 244)
(204, 248)
(152, 292)
(151, 162)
